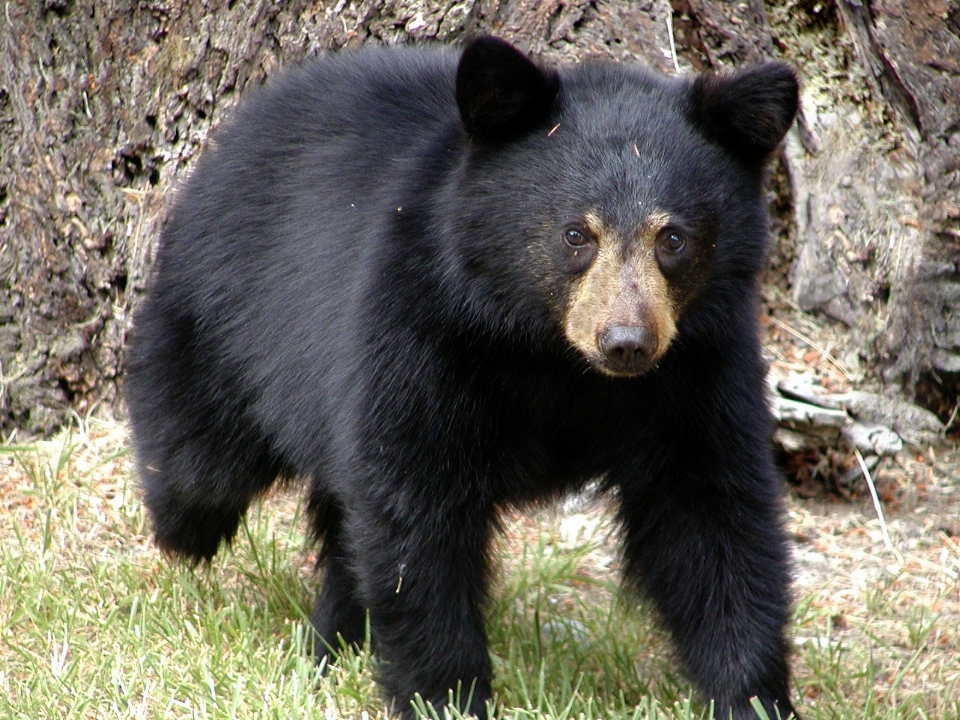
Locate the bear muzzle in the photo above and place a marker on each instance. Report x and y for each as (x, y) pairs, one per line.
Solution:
(627, 349)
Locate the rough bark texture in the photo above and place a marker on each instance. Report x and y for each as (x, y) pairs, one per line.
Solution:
(877, 189)
(105, 105)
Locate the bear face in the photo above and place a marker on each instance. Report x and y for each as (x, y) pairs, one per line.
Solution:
(616, 223)
(437, 285)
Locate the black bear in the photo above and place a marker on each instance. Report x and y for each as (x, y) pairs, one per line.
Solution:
(438, 284)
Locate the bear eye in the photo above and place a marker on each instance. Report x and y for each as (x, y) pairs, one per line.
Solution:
(673, 241)
(575, 237)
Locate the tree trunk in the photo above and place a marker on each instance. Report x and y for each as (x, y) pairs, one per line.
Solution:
(877, 190)
(105, 105)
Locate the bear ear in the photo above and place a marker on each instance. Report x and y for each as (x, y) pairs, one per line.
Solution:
(501, 93)
(748, 112)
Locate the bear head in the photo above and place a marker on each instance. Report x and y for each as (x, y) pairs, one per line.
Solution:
(616, 206)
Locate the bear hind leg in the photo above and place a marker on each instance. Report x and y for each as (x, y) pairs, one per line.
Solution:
(200, 459)
(198, 487)
(339, 618)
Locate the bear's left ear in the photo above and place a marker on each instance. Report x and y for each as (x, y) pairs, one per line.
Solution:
(748, 112)
(501, 93)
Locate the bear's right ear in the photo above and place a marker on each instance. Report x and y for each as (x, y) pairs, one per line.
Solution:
(501, 93)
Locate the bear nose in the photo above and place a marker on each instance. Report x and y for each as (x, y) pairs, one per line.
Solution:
(627, 348)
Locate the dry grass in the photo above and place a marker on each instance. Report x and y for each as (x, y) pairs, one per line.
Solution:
(876, 633)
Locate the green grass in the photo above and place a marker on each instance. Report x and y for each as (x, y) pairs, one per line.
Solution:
(94, 623)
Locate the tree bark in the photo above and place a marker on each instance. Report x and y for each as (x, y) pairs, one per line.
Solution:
(105, 105)
(877, 190)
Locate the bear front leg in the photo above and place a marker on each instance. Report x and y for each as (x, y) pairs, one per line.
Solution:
(423, 577)
(703, 540)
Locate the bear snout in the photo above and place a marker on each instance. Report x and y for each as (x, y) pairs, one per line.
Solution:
(628, 349)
